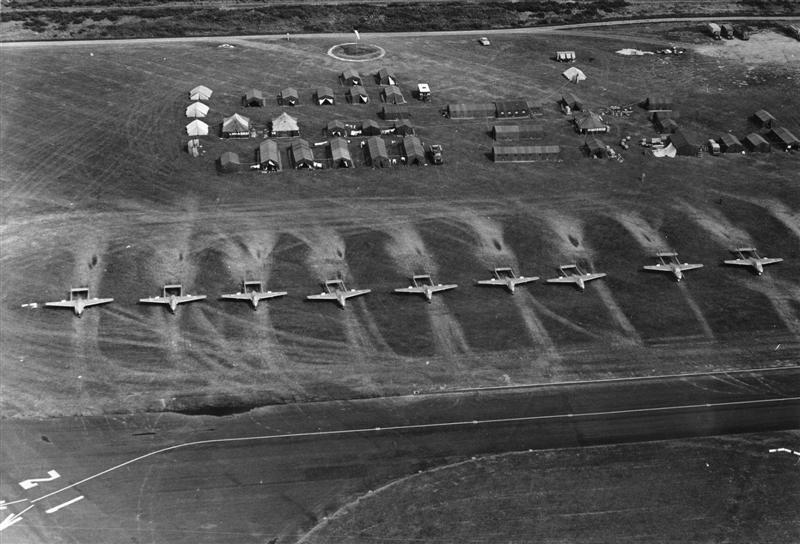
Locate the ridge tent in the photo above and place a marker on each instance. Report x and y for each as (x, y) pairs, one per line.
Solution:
(730, 143)
(229, 162)
(302, 156)
(573, 74)
(253, 97)
(393, 95)
(336, 128)
(386, 77)
(197, 128)
(376, 148)
(201, 92)
(289, 96)
(269, 158)
(415, 154)
(285, 125)
(358, 94)
(236, 126)
(340, 153)
(756, 143)
(325, 96)
(196, 109)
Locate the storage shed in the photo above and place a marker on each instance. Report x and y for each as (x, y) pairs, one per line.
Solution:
(358, 95)
(196, 110)
(516, 132)
(229, 162)
(471, 110)
(393, 95)
(756, 143)
(336, 128)
(386, 77)
(351, 77)
(763, 118)
(284, 126)
(324, 96)
(236, 126)
(394, 112)
(376, 149)
(595, 148)
(658, 103)
(530, 153)
(414, 152)
(302, 156)
(784, 139)
(269, 157)
(340, 153)
(253, 98)
(289, 97)
(729, 143)
(512, 109)
(684, 144)
(403, 128)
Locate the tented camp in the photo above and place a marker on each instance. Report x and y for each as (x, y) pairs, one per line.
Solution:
(358, 95)
(413, 150)
(376, 149)
(196, 109)
(394, 112)
(574, 74)
(516, 132)
(201, 92)
(393, 95)
(253, 98)
(471, 110)
(236, 126)
(665, 122)
(269, 158)
(565, 56)
(229, 162)
(197, 128)
(512, 109)
(589, 123)
(324, 96)
(658, 103)
(351, 77)
(756, 143)
(336, 128)
(340, 153)
(684, 144)
(525, 153)
(289, 97)
(370, 128)
(403, 128)
(595, 148)
(302, 156)
(763, 118)
(729, 143)
(284, 126)
(386, 77)
(784, 139)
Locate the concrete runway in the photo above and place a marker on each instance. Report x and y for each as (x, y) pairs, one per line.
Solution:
(275, 472)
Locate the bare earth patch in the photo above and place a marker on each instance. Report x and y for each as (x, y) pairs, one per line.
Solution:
(762, 48)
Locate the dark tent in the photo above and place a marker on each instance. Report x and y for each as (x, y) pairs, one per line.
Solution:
(658, 103)
(386, 77)
(376, 148)
(415, 154)
(229, 162)
(470, 111)
(525, 153)
(392, 112)
(516, 132)
(403, 128)
(589, 123)
(665, 122)
(756, 143)
(784, 139)
(336, 128)
(269, 158)
(763, 118)
(324, 96)
(393, 95)
(253, 97)
(512, 109)
(595, 147)
(302, 156)
(729, 143)
(340, 153)
(351, 77)
(370, 128)
(358, 95)
(684, 144)
(289, 97)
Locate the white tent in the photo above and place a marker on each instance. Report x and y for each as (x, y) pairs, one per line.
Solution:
(201, 92)
(197, 128)
(196, 109)
(573, 74)
(668, 151)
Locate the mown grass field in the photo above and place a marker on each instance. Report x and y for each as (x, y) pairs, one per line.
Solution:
(99, 190)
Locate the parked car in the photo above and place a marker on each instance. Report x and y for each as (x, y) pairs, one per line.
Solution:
(484, 41)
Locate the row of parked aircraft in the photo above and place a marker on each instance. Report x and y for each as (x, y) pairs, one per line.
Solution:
(421, 284)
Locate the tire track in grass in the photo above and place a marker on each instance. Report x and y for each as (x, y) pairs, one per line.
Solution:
(493, 251)
(652, 241)
(782, 295)
(570, 242)
(717, 225)
(410, 255)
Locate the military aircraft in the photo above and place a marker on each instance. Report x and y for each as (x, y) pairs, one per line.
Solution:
(571, 273)
(78, 300)
(669, 262)
(424, 285)
(338, 292)
(172, 295)
(505, 277)
(748, 256)
(252, 292)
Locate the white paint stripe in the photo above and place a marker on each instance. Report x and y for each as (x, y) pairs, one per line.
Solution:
(4, 504)
(33, 482)
(405, 428)
(64, 505)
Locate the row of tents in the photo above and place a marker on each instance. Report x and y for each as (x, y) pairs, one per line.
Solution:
(325, 96)
(301, 154)
(508, 109)
(239, 126)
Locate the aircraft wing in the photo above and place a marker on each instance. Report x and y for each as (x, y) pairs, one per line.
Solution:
(259, 296)
(590, 277)
(356, 292)
(493, 281)
(739, 262)
(770, 260)
(563, 279)
(411, 290)
(189, 298)
(155, 300)
(96, 301)
(61, 304)
(322, 296)
(445, 287)
(688, 266)
(659, 268)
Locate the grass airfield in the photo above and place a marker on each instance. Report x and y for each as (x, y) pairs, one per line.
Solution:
(98, 190)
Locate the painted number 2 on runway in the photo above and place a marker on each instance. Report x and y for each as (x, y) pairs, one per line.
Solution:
(33, 482)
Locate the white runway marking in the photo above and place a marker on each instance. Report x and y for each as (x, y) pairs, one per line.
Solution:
(33, 482)
(784, 450)
(63, 505)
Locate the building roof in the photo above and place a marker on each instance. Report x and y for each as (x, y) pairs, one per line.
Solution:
(350, 73)
(680, 139)
(589, 121)
(236, 123)
(756, 139)
(471, 110)
(197, 128)
(526, 149)
(763, 115)
(370, 123)
(324, 92)
(285, 123)
(729, 140)
(196, 109)
(785, 136)
(340, 150)
(289, 92)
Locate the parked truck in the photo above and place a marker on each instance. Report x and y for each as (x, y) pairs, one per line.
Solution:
(714, 30)
(436, 154)
(727, 31)
(742, 32)
(793, 31)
